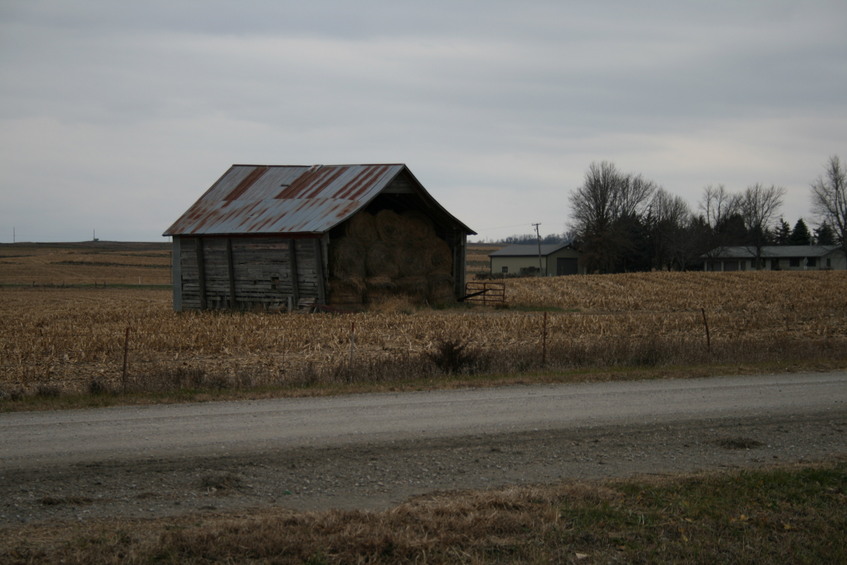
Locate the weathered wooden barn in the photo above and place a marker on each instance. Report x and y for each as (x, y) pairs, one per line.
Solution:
(275, 237)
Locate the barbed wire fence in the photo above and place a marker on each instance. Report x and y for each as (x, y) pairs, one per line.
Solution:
(130, 359)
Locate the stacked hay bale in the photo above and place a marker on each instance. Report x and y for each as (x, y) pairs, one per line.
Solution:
(387, 255)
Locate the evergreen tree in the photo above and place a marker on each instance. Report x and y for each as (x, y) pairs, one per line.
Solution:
(800, 235)
(732, 230)
(783, 232)
(824, 235)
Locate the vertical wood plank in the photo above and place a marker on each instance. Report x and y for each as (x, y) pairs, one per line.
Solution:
(295, 274)
(319, 268)
(201, 271)
(230, 271)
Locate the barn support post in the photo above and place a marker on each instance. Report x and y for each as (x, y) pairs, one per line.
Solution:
(459, 244)
(201, 271)
(295, 273)
(230, 272)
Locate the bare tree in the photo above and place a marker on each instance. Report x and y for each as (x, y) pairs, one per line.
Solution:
(633, 195)
(669, 208)
(720, 210)
(603, 209)
(593, 206)
(669, 217)
(718, 205)
(759, 207)
(829, 199)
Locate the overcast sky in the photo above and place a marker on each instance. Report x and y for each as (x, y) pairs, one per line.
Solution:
(116, 116)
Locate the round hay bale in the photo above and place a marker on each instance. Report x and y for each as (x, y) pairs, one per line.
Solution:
(440, 257)
(413, 258)
(417, 225)
(346, 291)
(362, 227)
(381, 260)
(380, 289)
(440, 290)
(381, 283)
(389, 226)
(415, 288)
(348, 258)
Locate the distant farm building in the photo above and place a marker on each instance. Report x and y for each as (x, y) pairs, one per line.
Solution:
(776, 257)
(549, 260)
(275, 237)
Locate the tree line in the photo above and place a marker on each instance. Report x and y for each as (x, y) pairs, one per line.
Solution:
(624, 222)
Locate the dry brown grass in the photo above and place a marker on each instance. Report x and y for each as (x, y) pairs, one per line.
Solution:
(73, 338)
(787, 514)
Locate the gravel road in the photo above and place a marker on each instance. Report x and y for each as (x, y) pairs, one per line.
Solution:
(374, 451)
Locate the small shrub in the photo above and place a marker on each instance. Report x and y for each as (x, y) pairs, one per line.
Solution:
(97, 388)
(453, 356)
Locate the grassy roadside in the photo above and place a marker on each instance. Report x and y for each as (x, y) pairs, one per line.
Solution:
(788, 514)
(52, 399)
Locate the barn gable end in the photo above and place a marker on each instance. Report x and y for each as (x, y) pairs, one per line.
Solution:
(272, 237)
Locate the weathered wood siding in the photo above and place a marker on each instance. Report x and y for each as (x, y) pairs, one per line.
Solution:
(246, 273)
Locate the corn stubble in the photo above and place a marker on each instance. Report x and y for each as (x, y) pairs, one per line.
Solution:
(78, 339)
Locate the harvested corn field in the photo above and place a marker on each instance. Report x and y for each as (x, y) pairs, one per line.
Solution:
(85, 263)
(76, 339)
(762, 292)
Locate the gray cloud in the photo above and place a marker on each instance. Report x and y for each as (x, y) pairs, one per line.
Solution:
(117, 116)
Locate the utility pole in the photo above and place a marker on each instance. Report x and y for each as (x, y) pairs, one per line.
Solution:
(538, 239)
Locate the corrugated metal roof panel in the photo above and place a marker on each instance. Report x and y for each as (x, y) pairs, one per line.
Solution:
(251, 199)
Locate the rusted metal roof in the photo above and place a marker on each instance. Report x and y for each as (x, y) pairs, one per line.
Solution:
(262, 199)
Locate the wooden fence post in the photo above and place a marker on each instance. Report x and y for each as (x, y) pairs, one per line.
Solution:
(544, 342)
(706, 325)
